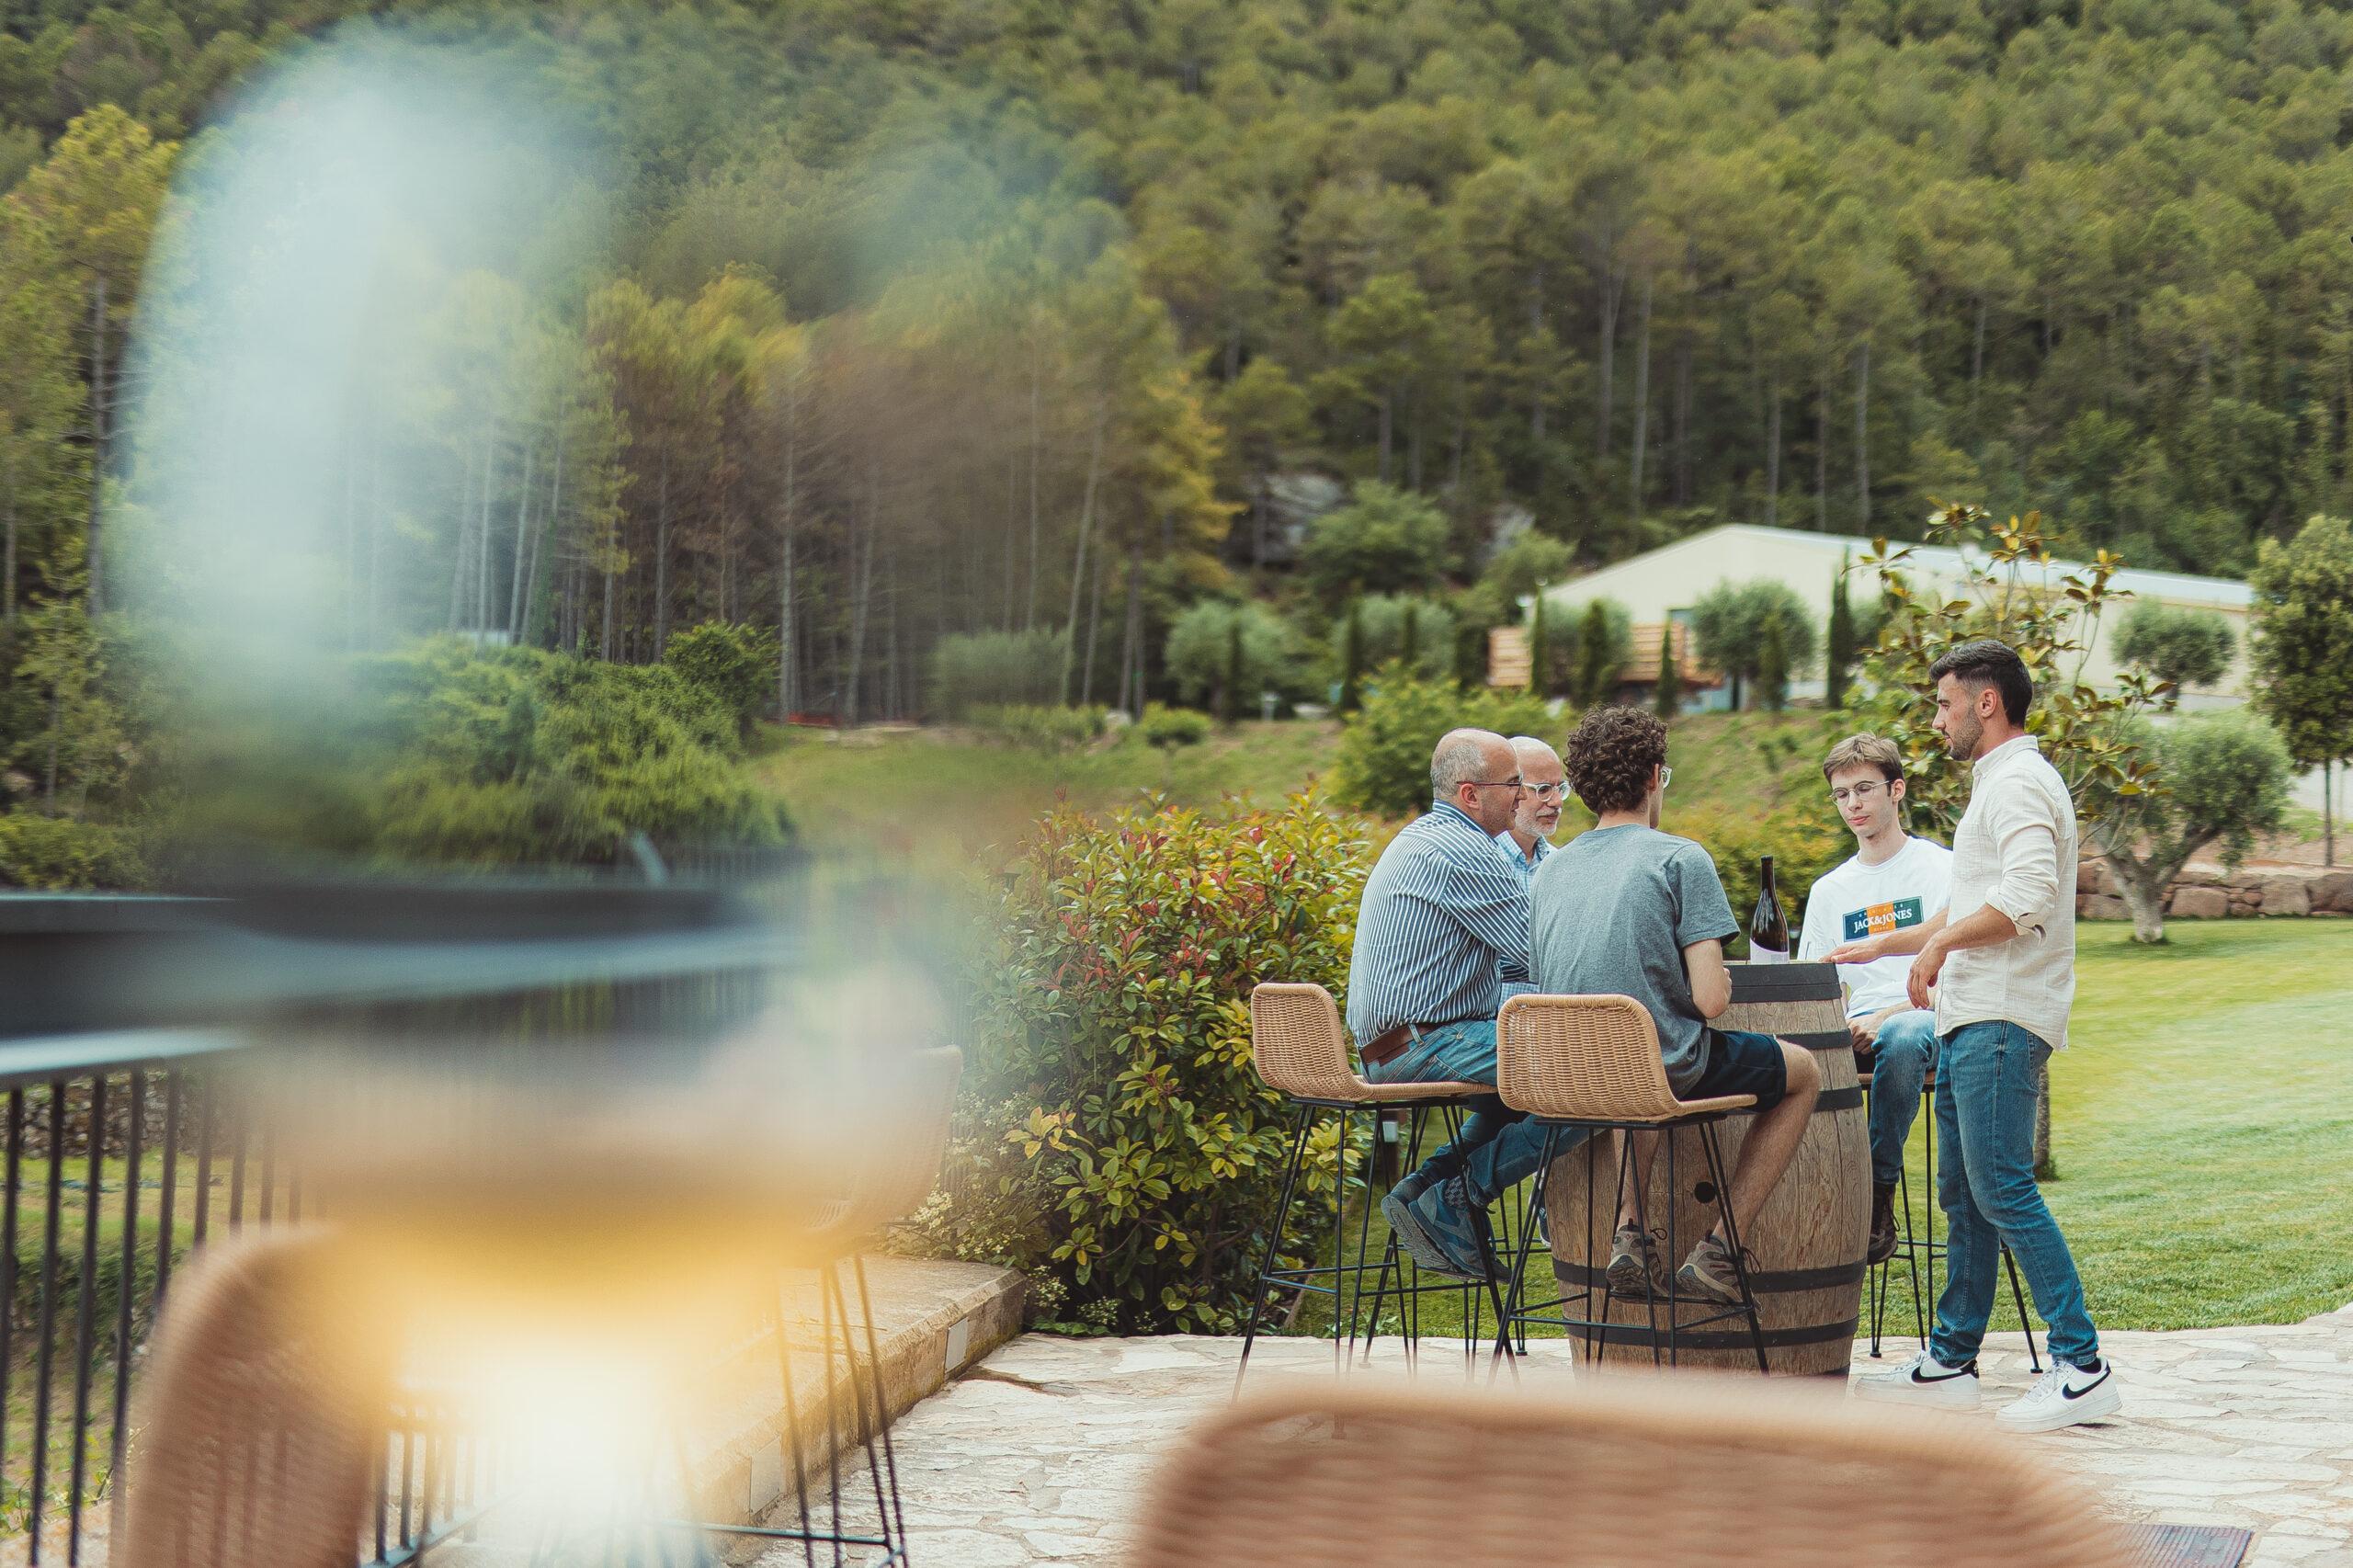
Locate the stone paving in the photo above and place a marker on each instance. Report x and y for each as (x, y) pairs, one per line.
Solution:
(1039, 1454)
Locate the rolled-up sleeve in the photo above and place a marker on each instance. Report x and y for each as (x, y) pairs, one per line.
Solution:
(2026, 839)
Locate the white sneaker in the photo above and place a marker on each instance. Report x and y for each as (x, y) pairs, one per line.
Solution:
(1925, 1381)
(2064, 1397)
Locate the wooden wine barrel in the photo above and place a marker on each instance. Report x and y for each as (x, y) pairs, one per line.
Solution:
(1809, 1240)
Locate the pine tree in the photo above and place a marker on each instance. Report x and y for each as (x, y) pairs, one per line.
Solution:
(1840, 658)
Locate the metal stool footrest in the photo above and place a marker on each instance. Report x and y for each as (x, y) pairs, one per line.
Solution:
(1664, 1341)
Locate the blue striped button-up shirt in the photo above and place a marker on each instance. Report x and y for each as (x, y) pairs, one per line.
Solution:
(1508, 848)
(1443, 929)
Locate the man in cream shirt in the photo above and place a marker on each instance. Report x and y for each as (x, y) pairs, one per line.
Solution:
(2000, 965)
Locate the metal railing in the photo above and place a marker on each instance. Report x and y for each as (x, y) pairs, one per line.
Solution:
(86, 1263)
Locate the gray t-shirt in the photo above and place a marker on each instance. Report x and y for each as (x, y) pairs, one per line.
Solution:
(1612, 911)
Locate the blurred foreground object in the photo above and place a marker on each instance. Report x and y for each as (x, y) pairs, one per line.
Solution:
(262, 1415)
(1636, 1467)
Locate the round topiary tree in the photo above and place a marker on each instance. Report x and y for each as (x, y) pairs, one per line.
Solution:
(1203, 659)
(2187, 647)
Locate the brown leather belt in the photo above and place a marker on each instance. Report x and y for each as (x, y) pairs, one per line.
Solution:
(1390, 1046)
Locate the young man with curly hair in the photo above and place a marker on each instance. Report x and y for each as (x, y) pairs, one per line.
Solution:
(1625, 909)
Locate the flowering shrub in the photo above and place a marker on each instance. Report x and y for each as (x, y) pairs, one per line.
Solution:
(1114, 1141)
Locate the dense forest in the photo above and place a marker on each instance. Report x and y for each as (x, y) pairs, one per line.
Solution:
(917, 317)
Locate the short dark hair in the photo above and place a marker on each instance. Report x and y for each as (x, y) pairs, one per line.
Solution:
(1981, 662)
(1609, 755)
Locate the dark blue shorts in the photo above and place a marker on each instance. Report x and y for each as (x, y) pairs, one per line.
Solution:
(1741, 1062)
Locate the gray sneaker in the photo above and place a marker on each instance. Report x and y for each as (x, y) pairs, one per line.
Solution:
(1710, 1272)
(1635, 1266)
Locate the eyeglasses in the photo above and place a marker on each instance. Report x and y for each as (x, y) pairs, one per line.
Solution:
(1859, 792)
(1547, 792)
(1497, 784)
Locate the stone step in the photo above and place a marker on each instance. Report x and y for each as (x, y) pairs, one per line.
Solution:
(931, 1320)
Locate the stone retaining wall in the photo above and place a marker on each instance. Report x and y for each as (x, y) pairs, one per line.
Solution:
(2206, 891)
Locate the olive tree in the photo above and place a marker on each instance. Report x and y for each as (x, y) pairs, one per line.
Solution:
(1736, 626)
(2187, 647)
(2219, 779)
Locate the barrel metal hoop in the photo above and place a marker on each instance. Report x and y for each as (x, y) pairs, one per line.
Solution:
(1717, 1339)
(1764, 1282)
(1813, 982)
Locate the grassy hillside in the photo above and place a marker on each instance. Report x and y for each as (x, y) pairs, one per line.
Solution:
(907, 792)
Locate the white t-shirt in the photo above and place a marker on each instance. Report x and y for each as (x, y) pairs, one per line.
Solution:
(1858, 900)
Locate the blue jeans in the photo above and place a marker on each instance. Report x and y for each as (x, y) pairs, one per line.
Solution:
(1901, 1057)
(1500, 1147)
(1985, 1121)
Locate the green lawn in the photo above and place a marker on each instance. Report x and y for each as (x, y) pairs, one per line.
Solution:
(2200, 1126)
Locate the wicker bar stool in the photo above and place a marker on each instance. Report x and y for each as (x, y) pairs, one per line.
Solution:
(1301, 1052)
(1919, 1250)
(1666, 1472)
(261, 1413)
(1592, 1065)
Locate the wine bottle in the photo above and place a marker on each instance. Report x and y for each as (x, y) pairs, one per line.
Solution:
(1769, 930)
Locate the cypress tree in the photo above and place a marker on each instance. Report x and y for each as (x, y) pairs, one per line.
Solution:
(1230, 705)
(1597, 668)
(1667, 696)
(1471, 655)
(1352, 658)
(1409, 640)
(1773, 665)
(1840, 658)
(1538, 654)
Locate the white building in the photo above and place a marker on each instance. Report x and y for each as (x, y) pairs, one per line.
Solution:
(1663, 584)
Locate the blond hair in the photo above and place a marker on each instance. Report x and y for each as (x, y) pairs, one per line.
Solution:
(1865, 751)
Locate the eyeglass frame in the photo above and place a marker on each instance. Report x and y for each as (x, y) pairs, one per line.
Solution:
(1861, 792)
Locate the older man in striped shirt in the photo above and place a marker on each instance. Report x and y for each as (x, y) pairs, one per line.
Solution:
(1442, 930)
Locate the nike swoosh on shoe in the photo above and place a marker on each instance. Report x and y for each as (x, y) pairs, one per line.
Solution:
(2065, 1393)
(1957, 1372)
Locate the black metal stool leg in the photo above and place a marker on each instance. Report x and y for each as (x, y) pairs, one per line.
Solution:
(1674, 1308)
(1732, 1234)
(881, 1409)
(1513, 1298)
(2019, 1295)
(1258, 1282)
(1408, 1316)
